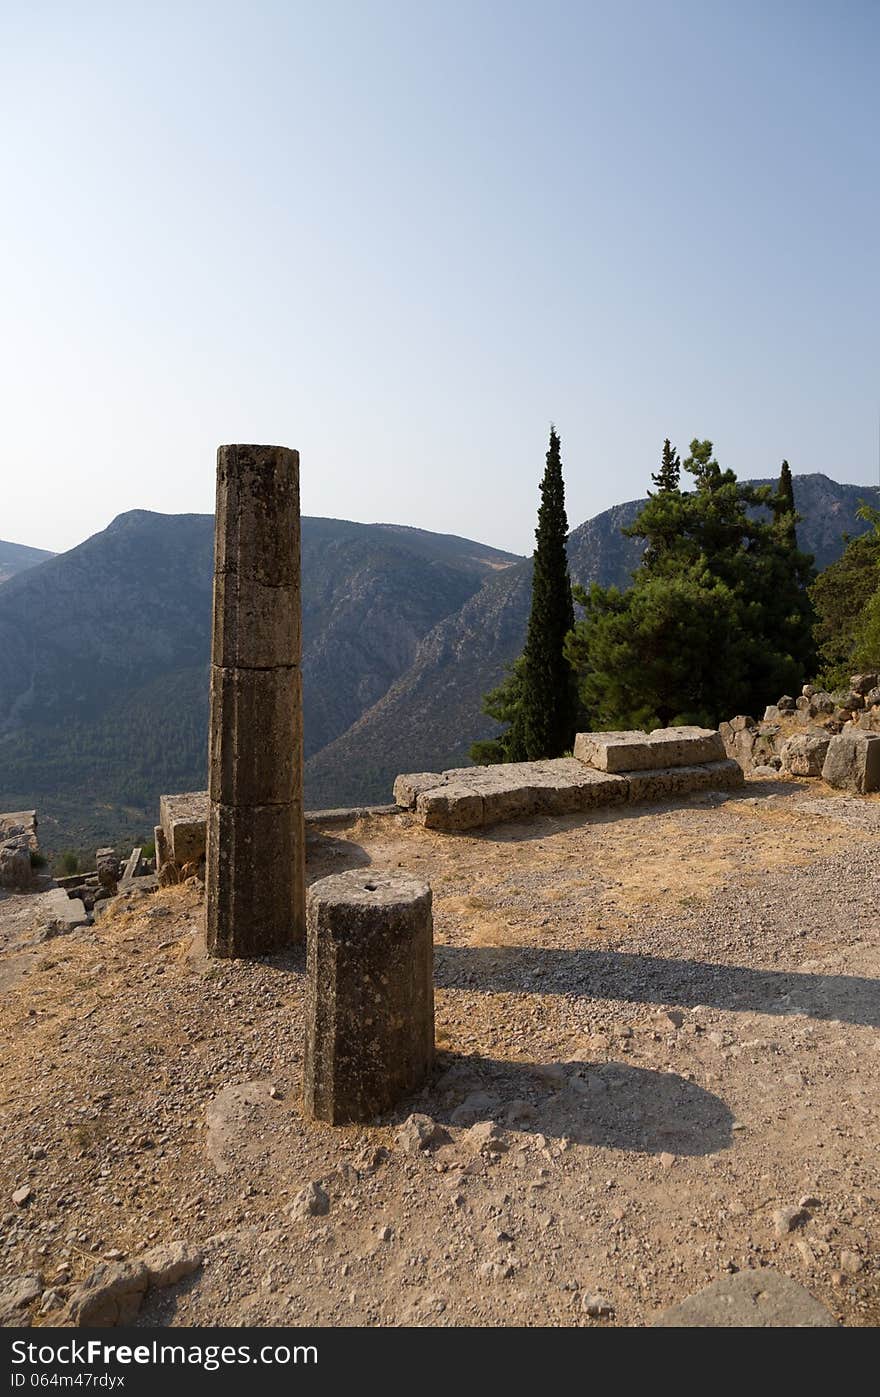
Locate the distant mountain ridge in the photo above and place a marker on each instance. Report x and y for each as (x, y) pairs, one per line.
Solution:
(16, 557)
(104, 655)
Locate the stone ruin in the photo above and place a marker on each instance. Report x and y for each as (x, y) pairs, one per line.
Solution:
(18, 841)
(256, 840)
(835, 736)
(608, 768)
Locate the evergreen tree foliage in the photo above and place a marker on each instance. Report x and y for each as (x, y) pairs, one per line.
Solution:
(502, 704)
(845, 597)
(669, 475)
(785, 492)
(718, 616)
(538, 698)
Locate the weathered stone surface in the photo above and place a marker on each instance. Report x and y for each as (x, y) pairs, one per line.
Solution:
(763, 1299)
(313, 1201)
(853, 761)
(257, 626)
(786, 704)
(111, 1295)
(161, 846)
(169, 1262)
(418, 1132)
(683, 780)
(16, 872)
(254, 735)
(454, 806)
(804, 753)
(863, 683)
(61, 912)
(408, 788)
(638, 751)
(255, 835)
(370, 994)
(184, 820)
(15, 1294)
(107, 869)
(472, 797)
(255, 877)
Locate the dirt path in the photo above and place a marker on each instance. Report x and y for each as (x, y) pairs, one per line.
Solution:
(671, 1014)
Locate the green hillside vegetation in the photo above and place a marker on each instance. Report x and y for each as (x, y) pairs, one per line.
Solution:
(846, 597)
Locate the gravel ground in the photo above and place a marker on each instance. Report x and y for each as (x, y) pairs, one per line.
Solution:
(669, 1014)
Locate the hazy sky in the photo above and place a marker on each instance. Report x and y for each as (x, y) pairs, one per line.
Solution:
(403, 237)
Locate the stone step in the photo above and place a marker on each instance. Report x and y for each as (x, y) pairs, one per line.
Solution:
(470, 797)
(643, 751)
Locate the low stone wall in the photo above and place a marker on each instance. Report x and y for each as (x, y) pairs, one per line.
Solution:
(610, 768)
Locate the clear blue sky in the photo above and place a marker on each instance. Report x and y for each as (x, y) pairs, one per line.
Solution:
(403, 237)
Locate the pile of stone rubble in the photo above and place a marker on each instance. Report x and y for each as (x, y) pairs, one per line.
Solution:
(835, 736)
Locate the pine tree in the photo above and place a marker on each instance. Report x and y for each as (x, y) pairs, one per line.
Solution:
(669, 475)
(718, 615)
(545, 720)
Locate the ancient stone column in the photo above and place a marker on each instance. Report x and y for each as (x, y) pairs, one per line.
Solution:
(369, 994)
(256, 840)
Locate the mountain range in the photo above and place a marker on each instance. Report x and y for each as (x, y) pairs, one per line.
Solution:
(16, 557)
(104, 654)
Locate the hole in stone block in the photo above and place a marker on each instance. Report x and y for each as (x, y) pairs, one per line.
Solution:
(370, 887)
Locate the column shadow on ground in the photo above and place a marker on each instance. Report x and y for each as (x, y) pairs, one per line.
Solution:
(645, 979)
(609, 1104)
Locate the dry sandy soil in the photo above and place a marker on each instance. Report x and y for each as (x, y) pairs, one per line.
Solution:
(671, 1013)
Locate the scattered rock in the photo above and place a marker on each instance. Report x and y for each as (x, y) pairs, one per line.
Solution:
(418, 1132)
(474, 1107)
(170, 1262)
(111, 1295)
(785, 1220)
(17, 1293)
(485, 1138)
(596, 1306)
(312, 1201)
(853, 762)
(22, 1196)
(519, 1113)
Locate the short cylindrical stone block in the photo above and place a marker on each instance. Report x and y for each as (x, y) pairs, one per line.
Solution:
(370, 994)
(256, 836)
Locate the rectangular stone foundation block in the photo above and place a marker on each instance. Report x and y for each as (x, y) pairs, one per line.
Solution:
(684, 780)
(450, 807)
(369, 995)
(641, 751)
(255, 735)
(253, 882)
(184, 821)
(852, 762)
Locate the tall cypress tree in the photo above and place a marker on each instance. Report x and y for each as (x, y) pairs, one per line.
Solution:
(547, 713)
(783, 505)
(669, 475)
